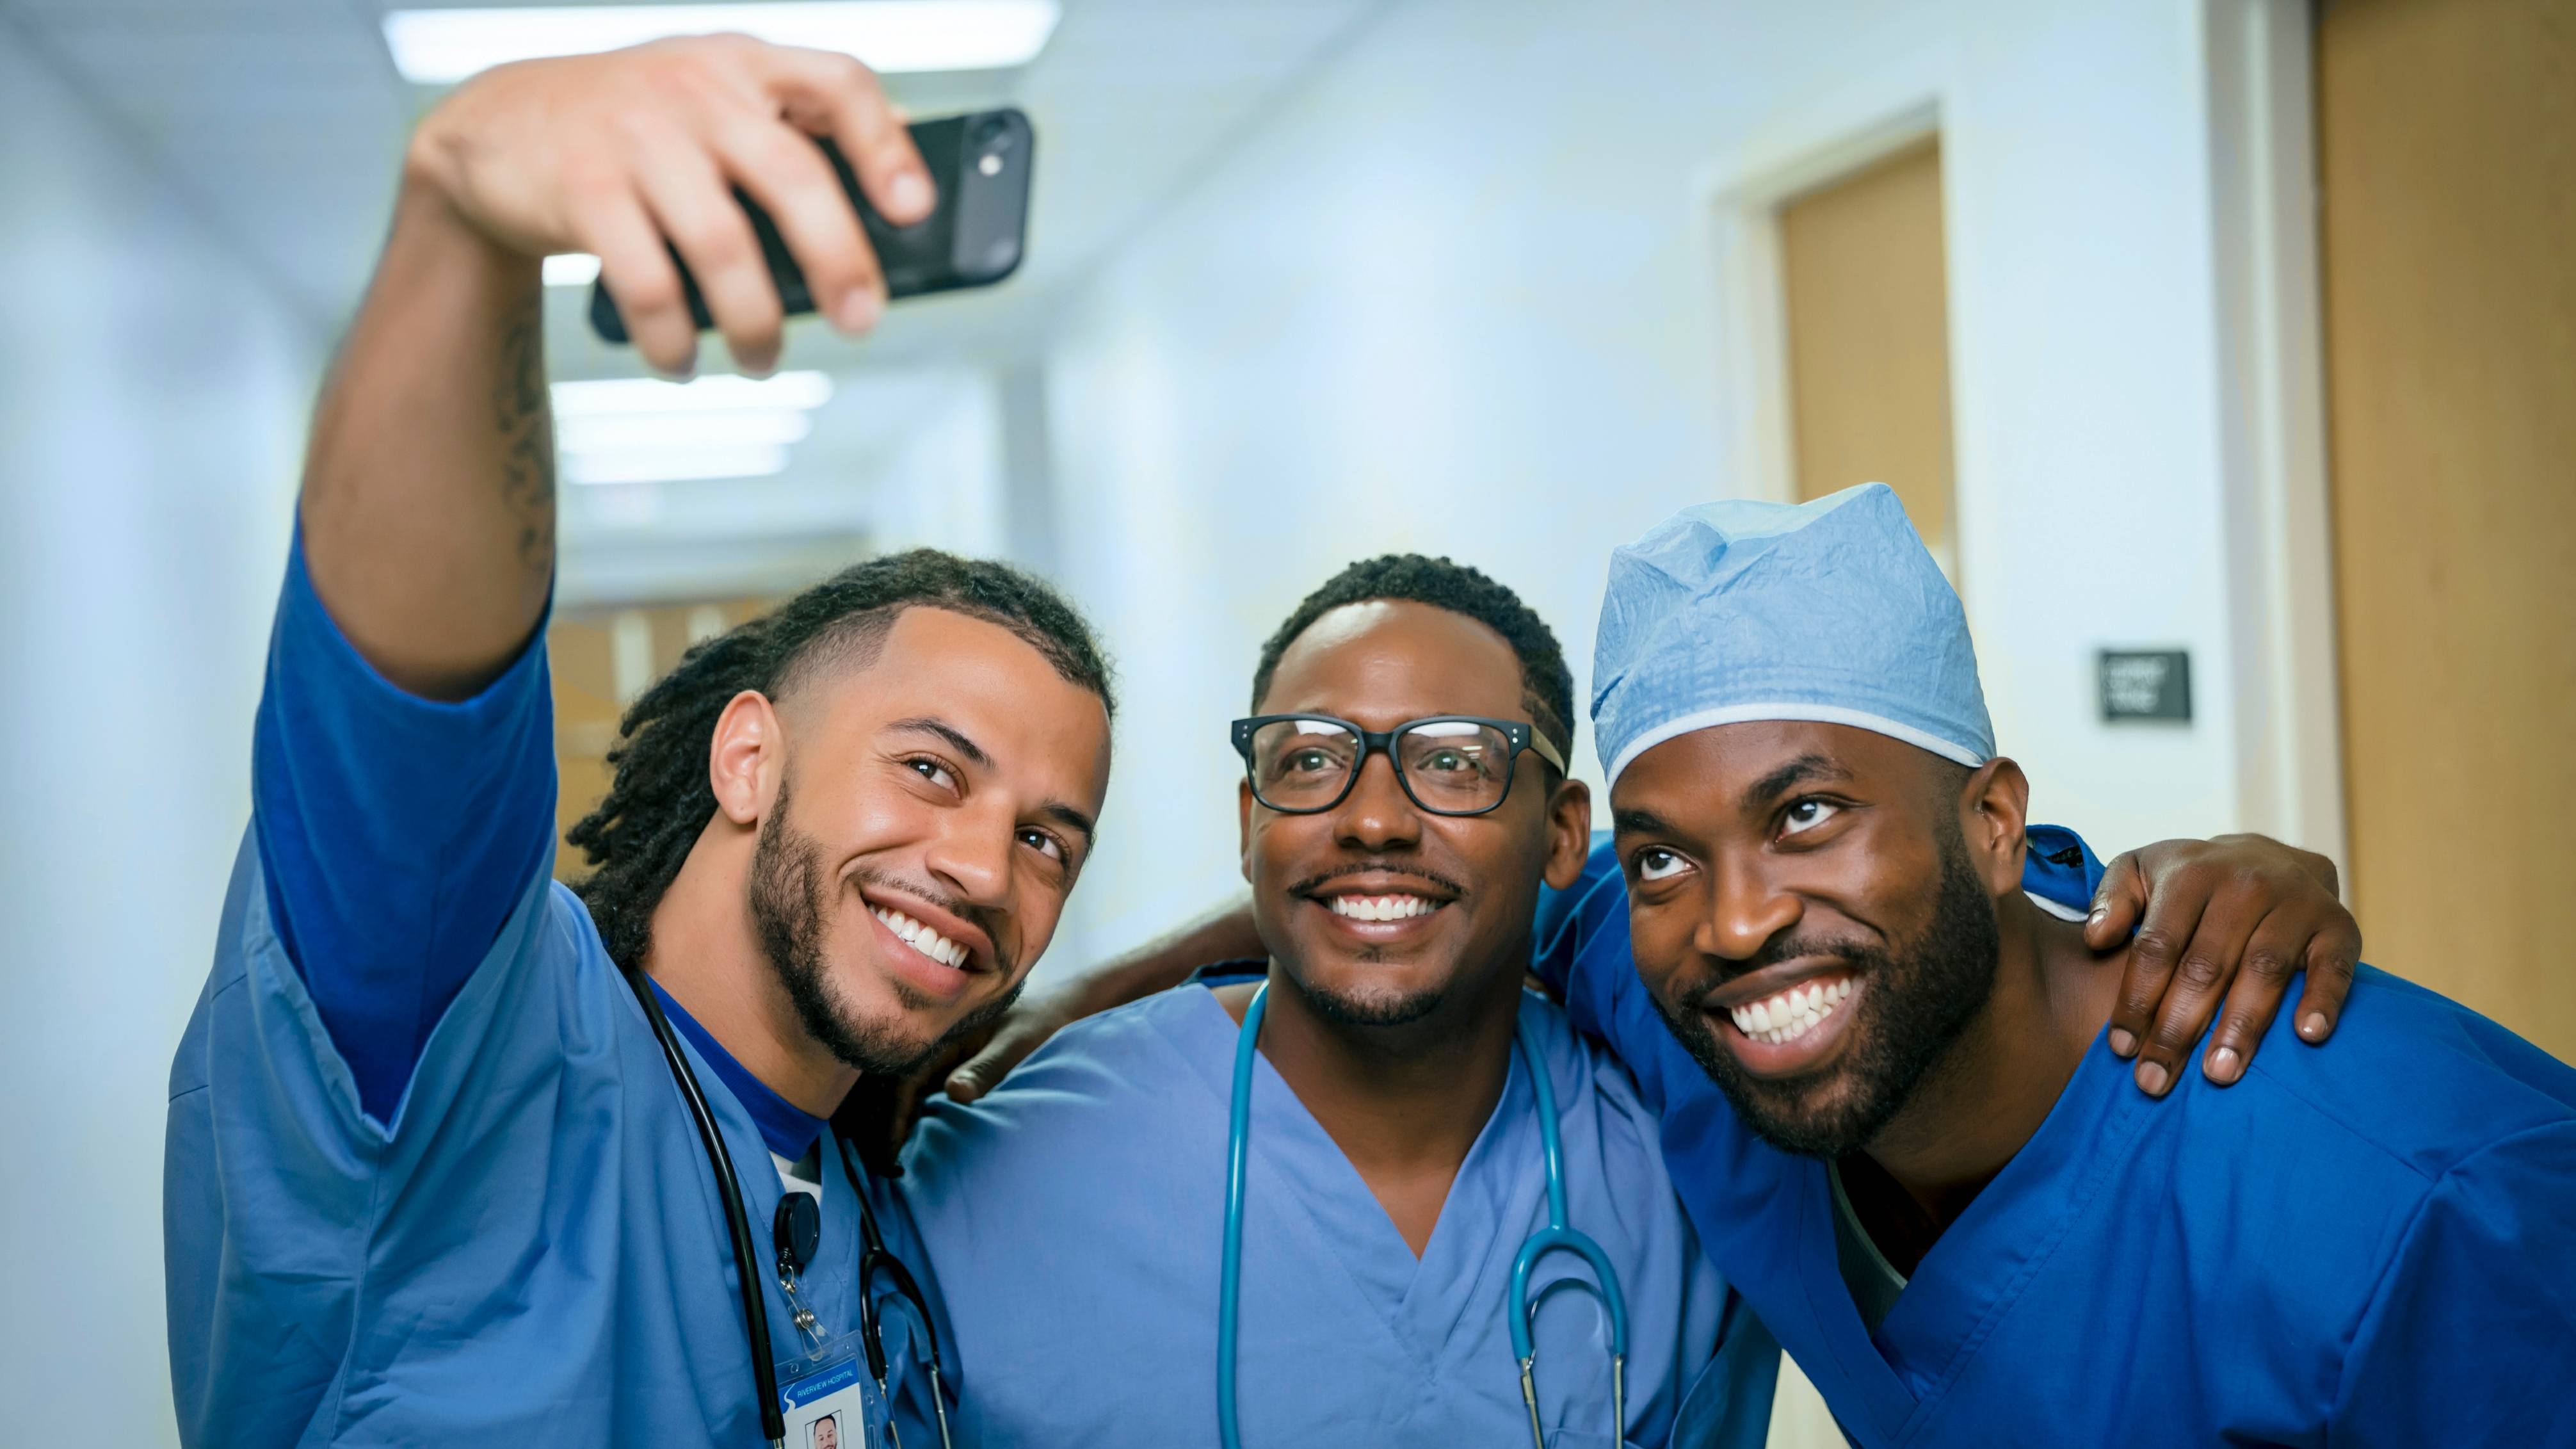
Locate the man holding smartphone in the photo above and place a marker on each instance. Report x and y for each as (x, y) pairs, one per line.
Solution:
(453, 1156)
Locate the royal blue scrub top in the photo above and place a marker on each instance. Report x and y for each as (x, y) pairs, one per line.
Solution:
(429, 1180)
(2371, 1242)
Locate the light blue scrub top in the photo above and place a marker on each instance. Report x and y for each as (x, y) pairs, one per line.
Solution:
(429, 1180)
(532, 1251)
(1076, 1215)
(2372, 1242)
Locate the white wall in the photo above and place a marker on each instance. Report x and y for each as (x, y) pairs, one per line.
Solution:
(1459, 296)
(151, 406)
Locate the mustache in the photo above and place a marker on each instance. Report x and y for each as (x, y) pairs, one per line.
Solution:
(1860, 955)
(983, 918)
(1314, 883)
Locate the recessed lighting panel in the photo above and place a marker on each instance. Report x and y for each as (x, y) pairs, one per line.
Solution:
(726, 393)
(638, 432)
(673, 465)
(439, 47)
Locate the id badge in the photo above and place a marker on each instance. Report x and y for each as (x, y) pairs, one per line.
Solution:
(830, 1402)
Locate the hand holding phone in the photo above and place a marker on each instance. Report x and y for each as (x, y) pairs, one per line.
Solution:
(980, 165)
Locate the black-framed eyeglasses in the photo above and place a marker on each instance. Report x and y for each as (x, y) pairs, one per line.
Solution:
(1449, 764)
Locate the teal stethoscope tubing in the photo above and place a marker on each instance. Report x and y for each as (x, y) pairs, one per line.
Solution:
(1556, 1236)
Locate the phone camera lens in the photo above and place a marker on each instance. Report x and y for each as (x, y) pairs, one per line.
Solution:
(991, 134)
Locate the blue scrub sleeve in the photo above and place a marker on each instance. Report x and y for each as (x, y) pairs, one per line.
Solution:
(395, 833)
(2469, 1337)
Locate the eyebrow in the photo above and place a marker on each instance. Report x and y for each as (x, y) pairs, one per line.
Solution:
(1055, 810)
(1639, 822)
(1070, 818)
(1797, 772)
(941, 729)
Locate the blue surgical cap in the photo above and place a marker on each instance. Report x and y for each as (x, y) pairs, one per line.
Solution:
(1830, 610)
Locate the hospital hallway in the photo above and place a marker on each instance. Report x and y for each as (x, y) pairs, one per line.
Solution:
(2221, 353)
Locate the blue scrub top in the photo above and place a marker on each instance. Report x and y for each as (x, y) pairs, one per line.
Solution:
(2372, 1242)
(429, 1179)
(1075, 1216)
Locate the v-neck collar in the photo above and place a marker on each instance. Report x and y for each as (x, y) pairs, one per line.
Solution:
(789, 1130)
(1421, 1298)
(1979, 1267)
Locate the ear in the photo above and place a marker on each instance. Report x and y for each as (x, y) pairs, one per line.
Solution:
(1569, 832)
(1243, 819)
(1994, 813)
(746, 758)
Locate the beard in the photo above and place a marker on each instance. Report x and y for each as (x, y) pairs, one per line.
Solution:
(1379, 1008)
(1914, 1008)
(787, 899)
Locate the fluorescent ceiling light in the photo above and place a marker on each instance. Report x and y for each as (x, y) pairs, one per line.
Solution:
(723, 394)
(437, 47)
(671, 465)
(571, 269)
(631, 432)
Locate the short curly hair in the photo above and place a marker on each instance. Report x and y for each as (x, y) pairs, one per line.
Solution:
(1547, 686)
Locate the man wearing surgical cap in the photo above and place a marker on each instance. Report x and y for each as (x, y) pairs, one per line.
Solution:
(1933, 1183)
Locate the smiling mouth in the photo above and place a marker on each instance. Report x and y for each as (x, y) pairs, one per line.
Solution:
(1395, 906)
(1789, 1016)
(922, 938)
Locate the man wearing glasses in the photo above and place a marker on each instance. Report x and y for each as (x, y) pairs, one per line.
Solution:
(1076, 1217)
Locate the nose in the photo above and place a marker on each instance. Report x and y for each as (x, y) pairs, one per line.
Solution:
(1747, 909)
(972, 857)
(1377, 814)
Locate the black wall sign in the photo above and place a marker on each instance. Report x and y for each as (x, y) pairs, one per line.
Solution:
(2146, 684)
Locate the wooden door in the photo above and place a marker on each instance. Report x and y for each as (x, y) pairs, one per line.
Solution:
(1866, 290)
(2447, 164)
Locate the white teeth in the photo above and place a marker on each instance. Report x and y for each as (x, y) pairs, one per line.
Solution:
(921, 938)
(1792, 1013)
(1382, 908)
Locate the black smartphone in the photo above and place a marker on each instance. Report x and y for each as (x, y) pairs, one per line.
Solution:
(980, 165)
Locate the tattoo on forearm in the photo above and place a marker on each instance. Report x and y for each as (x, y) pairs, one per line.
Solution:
(526, 422)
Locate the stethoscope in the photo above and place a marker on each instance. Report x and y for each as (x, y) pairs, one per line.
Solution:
(1523, 1313)
(874, 1259)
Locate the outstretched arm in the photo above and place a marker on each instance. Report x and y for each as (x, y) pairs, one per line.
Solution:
(404, 768)
(428, 505)
(2244, 903)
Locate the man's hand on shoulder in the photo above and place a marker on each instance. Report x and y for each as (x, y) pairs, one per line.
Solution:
(630, 153)
(2225, 923)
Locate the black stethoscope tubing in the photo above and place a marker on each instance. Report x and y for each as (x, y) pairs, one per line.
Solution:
(746, 1258)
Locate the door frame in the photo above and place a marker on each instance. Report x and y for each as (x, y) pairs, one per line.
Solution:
(2259, 62)
(1839, 134)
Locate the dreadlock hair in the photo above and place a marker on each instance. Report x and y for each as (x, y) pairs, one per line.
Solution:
(661, 800)
(1547, 686)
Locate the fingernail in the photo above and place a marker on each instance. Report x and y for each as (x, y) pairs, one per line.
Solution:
(2225, 1066)
(2151, 1078)
(2122, 1043)
(860, 310)
(2099, 912)
(2313, 1026)
(909, 193)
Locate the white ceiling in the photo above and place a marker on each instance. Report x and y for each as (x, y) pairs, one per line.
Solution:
(282, 122)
